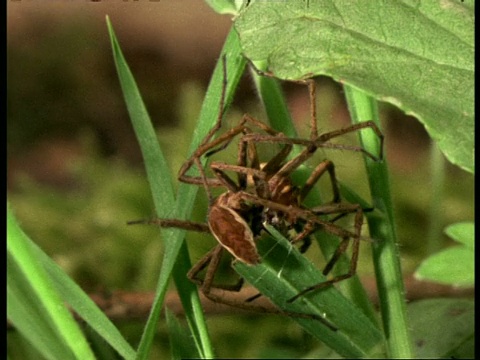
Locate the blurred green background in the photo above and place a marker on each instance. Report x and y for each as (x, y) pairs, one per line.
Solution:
(75, 173)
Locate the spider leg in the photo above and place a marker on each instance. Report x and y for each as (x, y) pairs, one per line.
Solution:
(313, 223)
(209, 147)
(341, 249)
(319, 170)
(274, 164)
(312, 94)
(173, 223)
(296, 212)
(248, 149)
(202, 150)
(218, 123)
(218, 169)
(323, 138)
(319, 143)
(204, 144)
(341, 215)
(320, 140)
(312, 88)
(308, 228)
(212, 260)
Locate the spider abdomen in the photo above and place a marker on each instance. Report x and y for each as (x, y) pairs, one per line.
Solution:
(233, 233)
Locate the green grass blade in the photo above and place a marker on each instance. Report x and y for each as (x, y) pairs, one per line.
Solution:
(159, 178)
(436, 209)
(179, 338)
(33, 304)
(284, 272)
(382, 228)
(84, 306)
(158, 172)
(190, 302)
(160, 182)
(72, 294)
(235, 64)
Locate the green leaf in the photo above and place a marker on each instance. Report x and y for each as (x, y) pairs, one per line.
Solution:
(385, 253)
(454, 265)
(415, 55)
(176, 259)
(440, 327)
(33, 304)
(180, 341)
(463, 232)
(83, 305)
(226, 6)
(284, 272)
(160, 181)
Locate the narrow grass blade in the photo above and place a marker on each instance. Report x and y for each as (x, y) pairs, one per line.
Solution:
(83, 305)
(382, 228)
(33, 304)
(159, 177)
(160, 182)
(284, 272)
(235, 64)
(436, 208)
(181, 346)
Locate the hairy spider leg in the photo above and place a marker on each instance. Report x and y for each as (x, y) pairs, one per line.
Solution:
(209, 148)
(212, 260)
(313, 224)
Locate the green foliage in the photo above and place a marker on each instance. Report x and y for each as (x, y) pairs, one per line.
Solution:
(291, 37)
(418, 57)
(454, 265)
(443, 328)
(382, 228)
(360, 346)
(162, 191)
(280, 119)
(372, 48)
(226, 6)
(33, 304)
(284, 272)
(36, 290)
(179, 337)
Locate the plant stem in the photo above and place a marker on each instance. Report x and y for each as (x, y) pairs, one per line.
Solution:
(435, 217)
(382, 229)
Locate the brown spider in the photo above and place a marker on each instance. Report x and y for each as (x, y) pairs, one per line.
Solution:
(278, 198)
(236, 216)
